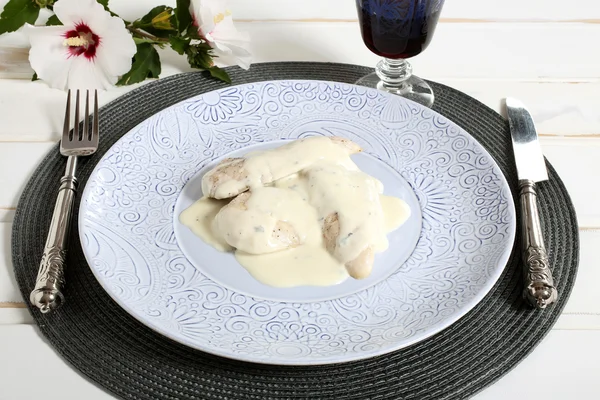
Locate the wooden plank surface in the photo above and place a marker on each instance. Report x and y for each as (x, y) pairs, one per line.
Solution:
(18, 160)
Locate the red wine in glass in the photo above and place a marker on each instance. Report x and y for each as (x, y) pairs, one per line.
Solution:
(397, 30)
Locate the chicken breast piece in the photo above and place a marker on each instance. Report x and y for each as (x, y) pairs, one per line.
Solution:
(348, 203)
(358, 268)
(230, 172)
(347, 144)
(236, 175)
(252, 230)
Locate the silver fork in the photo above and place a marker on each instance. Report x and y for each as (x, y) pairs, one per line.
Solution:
(47, 294)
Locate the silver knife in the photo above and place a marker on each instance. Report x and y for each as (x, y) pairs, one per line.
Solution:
(531, 168)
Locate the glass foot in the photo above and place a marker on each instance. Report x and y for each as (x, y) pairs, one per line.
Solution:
(413, 88)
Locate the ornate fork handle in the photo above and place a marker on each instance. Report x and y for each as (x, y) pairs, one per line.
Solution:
(47, 294)
(539, 284)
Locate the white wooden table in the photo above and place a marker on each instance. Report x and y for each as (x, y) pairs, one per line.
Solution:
(544, 52)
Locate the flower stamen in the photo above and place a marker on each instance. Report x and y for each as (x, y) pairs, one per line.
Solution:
(218, 18)
(77, 41)
(81, 41)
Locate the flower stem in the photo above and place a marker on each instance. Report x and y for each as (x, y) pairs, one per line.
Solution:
(140, 33)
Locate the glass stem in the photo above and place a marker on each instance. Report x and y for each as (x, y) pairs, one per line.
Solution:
(393, 74)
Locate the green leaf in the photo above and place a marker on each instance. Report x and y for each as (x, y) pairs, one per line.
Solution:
(16, 13)
(182, 12)
(146, 64)
(34, 77)
(104, 3)
(192, 32)
(53, 20)
(198, 57)
(179, 44)
(220, 74)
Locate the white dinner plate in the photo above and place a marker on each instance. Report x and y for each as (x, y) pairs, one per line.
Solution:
(439, 264)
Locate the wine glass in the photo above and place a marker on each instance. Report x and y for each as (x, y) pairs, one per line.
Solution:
(397, 30)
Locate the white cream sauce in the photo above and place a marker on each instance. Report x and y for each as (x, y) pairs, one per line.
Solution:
(306, 265)
(199, 219)
(395, 212)
(252, 227)
(354, 196)
(265, 167)
(277, 232)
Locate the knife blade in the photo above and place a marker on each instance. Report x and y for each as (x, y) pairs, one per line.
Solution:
(526, 146)
(539, 289)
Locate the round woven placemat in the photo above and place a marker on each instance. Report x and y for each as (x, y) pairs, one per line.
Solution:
(131, 361)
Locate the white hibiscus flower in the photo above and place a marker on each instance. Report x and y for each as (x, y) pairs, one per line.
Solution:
(215, 24)
(89, 51)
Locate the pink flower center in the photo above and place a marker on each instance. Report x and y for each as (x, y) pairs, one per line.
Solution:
(82, 41)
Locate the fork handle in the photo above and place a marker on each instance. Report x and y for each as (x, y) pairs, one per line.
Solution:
(47, 294)
(539, 290)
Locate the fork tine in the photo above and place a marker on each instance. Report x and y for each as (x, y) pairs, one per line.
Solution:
(86, 117)
(76, 127)
(67, 123)
(95, 133)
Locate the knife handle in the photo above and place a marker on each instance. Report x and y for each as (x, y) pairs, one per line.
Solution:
(539, 288)
(47, 294)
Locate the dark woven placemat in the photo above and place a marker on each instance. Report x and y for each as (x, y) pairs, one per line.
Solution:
(117, 352)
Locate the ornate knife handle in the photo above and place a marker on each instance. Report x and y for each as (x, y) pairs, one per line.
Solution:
(539, 285)
(47, 294)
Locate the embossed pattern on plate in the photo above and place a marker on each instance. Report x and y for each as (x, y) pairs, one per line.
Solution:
(126, 228)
